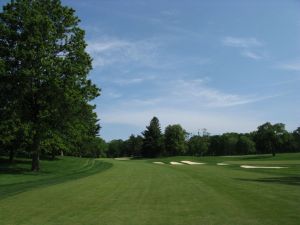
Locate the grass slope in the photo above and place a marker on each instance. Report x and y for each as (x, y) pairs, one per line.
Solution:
(142, 193)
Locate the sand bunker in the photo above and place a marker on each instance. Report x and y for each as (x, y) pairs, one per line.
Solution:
(192, 163)
(159, 163)
(123, 158)
(176, 163)
(222, 164)
(262, 167)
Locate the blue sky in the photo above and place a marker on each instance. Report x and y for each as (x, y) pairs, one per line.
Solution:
(220, 65)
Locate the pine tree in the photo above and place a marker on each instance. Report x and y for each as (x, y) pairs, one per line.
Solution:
(153, 139)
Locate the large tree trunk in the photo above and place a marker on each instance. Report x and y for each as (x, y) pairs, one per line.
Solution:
(35, 164)
(52, 154)
(11, 155)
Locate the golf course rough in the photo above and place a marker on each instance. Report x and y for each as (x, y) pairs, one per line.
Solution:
(139, 192)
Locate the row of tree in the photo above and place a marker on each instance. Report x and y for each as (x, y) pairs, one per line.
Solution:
(44, 89)
(268, 138)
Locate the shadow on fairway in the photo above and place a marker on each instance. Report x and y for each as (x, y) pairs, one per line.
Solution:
(259, 157)
(15, 167)
(7, 190)
(293, 180)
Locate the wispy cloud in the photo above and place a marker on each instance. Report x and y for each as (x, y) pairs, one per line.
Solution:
(292, 65)
(130, 81)
(215, 122)
(252, 55)
(246, 46)
(197, 90)
(194, 92)
(107, 51)
(241, 42)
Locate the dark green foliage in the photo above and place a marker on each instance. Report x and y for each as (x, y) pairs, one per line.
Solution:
(245, 145)
(296, 135)
(198, 145)
(270, 138)
(153, 139)
(115, 148)
(43, 77)
(134, 146)
(266, 139)
(175, 140)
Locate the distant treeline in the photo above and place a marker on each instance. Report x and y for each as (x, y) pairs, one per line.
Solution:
(268, 138)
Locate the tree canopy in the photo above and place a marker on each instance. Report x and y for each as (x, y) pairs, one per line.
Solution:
(44, 68)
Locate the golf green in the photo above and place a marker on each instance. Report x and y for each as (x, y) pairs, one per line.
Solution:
(139, 192)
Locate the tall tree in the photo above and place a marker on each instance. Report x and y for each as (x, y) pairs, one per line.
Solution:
(153, 139)
(175, 140)
(198, 145)
(268, 137)
(43, 66)
(245, 145)
(134, 145)
(296, 134)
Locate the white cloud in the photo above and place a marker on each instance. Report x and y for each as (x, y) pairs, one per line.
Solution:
(198, 91)
(246, 46)
(130, 81)
(107, 51)
(241, 42)
(293, 65)
(251, 55)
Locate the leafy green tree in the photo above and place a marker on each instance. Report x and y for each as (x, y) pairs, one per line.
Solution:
(229, 141)
(43, 66)
(134, 145)
(269, 137)
(245, 145)
(216, 146)
(115, 148)
(175, 140)
(153, 139)
(296, 134)
(198, 145)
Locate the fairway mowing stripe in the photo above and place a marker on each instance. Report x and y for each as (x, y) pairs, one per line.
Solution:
(176, 163)
(192, 163)
(222, 164)
(161, 163)
(262, 167)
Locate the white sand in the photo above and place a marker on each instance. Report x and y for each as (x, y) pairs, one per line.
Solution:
(222, 164)
(176, 163)
(159, 163)
(123, 158)
(192, 163)
(262, 167)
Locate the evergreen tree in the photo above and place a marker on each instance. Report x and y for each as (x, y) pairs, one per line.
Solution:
(153, 139)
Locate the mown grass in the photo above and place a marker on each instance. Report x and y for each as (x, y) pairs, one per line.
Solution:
(16, 177)
(142, 193)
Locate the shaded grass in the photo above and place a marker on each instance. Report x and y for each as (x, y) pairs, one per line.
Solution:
(16, 177)
(294, 180)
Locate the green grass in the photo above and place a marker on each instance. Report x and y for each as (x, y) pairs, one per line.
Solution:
(138, 192)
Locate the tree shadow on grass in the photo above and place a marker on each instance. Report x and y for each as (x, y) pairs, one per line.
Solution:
(259, 157)
(8, 190)
(292, 180)
(15, 167)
